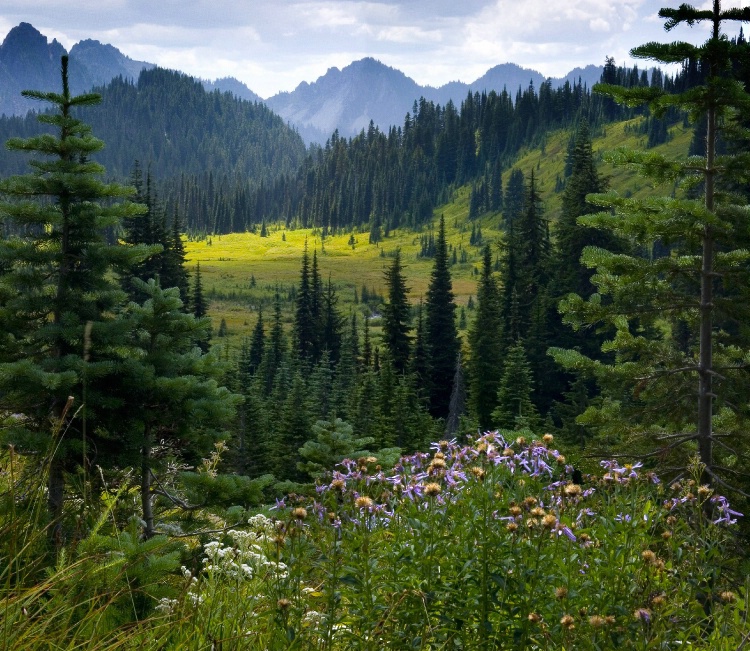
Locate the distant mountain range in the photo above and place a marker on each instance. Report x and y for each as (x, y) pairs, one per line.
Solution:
(346, 99)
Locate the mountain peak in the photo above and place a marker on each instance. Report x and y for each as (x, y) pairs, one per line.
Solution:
(24, 38)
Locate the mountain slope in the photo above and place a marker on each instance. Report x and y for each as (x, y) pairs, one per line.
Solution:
(365, 90)
(174, 127)
(29, 61)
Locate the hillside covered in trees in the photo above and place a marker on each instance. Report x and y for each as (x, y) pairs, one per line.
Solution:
(547, 464)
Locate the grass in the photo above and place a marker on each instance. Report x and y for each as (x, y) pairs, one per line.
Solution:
(230, 262)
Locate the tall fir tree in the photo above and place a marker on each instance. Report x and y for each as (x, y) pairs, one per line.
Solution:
(485, 342)
(396, 315)
(664, 396)
(58, 288)
(440, 325)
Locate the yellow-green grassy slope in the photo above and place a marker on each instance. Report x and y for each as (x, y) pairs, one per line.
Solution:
(229, 262)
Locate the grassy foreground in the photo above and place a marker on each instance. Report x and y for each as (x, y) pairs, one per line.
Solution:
(488, 545)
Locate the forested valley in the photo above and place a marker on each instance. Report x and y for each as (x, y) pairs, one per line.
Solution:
(325, 458)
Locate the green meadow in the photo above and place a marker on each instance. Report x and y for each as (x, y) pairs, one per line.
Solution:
(242, 271)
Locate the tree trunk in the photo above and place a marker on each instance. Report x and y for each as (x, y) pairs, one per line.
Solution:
(146, 504)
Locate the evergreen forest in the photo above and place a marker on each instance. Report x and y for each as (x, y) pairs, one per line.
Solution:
(476, 382)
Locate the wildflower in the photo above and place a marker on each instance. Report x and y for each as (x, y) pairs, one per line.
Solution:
(610, 619)
(648, 556)
(658, 600)
(530, 501)
(560, 459)
(436, 465)
(515, 511)
(643, 614)
(535, 618)
(666, 535)
(338, 484)
(521, 440)
(548, 438)
(283, 604)
(561, 592)
(571, 490)
(512, 527)
(728, 597)
(363, 502)
(538, 512)
(477, 472)
(432, 489)
(597, 621)
(299, 513)
(704, 491)
(549, 521)
(725, 513)
(508, 452)
(567, 621)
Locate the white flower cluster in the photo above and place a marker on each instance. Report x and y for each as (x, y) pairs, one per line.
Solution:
(245, 558)
(166, 606)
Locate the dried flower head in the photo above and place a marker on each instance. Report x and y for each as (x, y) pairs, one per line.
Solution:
(568, 622)
(439, 455)
(571, 490)
(549, 521)
(530, 501)
(512, 527)
(535, 618)
(728, 597)
(561, 592)
(283, 603)
(597, 621)
(338, 484)
(299, 513)
(548, 438)
(477, 472)
(515, 511)
(666, 535)
(705, 491)
(658, 600)
(538, 512)
(363, 502)
(432, 489)
(560, 459)
(521, 440)
(508, 452)
(648, 556)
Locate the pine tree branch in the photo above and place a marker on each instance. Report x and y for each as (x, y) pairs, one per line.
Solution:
(719, 480)
(175, 500)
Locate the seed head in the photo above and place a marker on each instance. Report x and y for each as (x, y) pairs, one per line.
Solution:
(561, 592)
(299, 513)
(597, 621)
(432, 489)
(548, 438)
(728, 597)
(363, 502)
(567, 621)
(571, 490)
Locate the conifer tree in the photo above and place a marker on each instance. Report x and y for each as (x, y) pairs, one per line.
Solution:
(199, 303)
(664, 394)
(396, 315)
(515, 409)
(172, 400)
(58, 285)
(257, 343)
(485, 341)
(442, 336)
(305, 321)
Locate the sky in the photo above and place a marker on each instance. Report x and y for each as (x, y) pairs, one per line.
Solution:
(273, 45)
